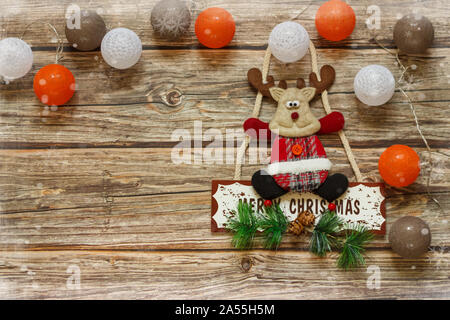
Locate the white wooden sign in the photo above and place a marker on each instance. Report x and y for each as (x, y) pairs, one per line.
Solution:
(363, 203)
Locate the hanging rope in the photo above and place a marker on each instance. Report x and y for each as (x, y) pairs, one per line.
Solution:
(255, 114)
(326, 105)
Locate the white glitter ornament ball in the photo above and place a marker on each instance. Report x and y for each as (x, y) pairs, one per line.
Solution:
(121, 48)
(374, 85)
(16, 58)
(289, 41)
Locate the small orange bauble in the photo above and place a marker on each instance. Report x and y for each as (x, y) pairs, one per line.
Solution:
(54, 85)
(297, 150)
(215, 27)
(335, 20)
(399, 165)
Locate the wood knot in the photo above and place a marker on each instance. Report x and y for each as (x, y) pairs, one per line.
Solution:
(246, 264)
(173, 97)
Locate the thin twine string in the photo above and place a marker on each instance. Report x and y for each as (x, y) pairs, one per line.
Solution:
(416, 120)
(59, 48)
(326, 105)
(303, 10)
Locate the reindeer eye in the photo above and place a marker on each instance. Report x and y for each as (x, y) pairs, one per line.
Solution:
(292, 104)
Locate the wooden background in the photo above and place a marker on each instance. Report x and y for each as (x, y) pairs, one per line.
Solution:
(91, 185)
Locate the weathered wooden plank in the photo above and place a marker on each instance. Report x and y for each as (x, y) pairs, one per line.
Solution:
(130, 198)
(172, 221)
(218, 275)
(220, 74)
(259, 16)
(141, 125)
(68, 178)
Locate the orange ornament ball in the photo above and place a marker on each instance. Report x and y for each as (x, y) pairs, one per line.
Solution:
(335, 20)
(54, 85)
(215, 27)
(399, 165)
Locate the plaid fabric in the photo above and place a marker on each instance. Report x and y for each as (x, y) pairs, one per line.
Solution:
(311, 149)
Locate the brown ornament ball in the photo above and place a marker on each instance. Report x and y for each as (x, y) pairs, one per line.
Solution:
(90, 34)
(413, 33)
(410, 237)
(171, 18)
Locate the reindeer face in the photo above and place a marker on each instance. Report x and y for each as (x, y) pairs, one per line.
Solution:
(293, 117)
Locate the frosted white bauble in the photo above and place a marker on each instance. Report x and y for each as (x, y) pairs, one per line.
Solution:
(121, 48)
(289, 41)
(16, 58)
(374, 85)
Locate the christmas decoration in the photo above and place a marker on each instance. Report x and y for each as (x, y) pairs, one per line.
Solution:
(170, 18)
(413, 33)
(331, 207)
(244, 226)
(215, 27)
(399, 165)
(361, 203)
(323, 237)
(374, 85)
(16, 58)
(245, 223)
(335, 20)
(289, 41)
(304, 219)
(54, 85)
(299, 163)
(307, 168)
(274, 224)
(327, 236)
(88, 34)
(351, 255)
(267, 203)
(121, 48)
(410, 237)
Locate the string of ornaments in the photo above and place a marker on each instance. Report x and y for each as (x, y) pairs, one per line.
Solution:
(374, 85)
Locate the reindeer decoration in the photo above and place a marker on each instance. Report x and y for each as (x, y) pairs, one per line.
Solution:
(298, 160)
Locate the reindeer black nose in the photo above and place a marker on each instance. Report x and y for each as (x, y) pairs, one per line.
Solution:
(294, 115)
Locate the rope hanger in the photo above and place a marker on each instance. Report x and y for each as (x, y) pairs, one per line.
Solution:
(326, 106)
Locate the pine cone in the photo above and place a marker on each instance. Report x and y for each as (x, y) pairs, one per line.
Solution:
(295, 227)
(306, 218)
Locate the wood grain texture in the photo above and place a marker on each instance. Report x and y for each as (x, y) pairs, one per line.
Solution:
(92, 184)
(287, 274)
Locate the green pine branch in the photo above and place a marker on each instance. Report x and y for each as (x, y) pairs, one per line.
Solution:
(323, 238)
(351, 255)
(244, 225)
(274, 224)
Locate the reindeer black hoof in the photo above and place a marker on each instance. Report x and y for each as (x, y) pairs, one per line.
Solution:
(333, 187)
(266, 186)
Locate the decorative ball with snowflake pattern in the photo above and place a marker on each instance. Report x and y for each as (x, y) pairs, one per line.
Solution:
(170, 18)
(289, 41)
(16, 58)
(121, 48)
(374, 85)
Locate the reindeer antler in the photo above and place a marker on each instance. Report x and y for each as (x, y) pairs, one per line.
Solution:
(327, 75)
(301, 83)
(254, 76)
